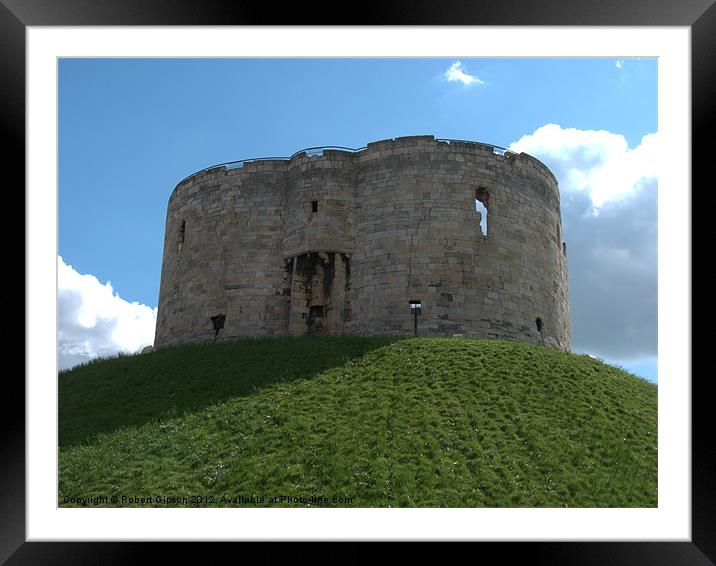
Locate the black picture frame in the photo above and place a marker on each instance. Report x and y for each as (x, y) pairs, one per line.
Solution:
(16, 15)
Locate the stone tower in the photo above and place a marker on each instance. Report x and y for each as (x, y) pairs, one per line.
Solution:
(339, 241)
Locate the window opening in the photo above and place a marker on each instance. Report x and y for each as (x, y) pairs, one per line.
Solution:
(218, 323)
(315, 312)
(481, 206)
(540, 325)
(180, 237)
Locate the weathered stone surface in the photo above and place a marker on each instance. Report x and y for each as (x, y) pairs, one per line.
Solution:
(341, 242)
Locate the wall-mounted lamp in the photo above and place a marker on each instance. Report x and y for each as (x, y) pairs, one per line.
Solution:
(416, 309)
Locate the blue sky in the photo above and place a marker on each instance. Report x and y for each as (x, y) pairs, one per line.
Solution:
(131, 129)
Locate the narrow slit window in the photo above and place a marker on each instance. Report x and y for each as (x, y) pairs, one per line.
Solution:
(180, 236)
(314, 206)
(481, 204)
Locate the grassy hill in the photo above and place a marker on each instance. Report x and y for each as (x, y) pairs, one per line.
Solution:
(365, 422)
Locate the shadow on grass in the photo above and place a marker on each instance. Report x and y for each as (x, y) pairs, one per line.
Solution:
(125, 391)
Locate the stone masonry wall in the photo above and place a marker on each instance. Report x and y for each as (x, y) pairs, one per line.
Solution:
(341, 242)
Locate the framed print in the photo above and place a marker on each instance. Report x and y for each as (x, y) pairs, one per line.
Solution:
(39, 41)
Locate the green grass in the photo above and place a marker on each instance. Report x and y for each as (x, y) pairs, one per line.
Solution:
(427, 422)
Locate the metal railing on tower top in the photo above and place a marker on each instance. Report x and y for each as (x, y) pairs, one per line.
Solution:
(309, 151)
(317, 151)
(495, 148)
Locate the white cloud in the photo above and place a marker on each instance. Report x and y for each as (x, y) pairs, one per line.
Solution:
(456, 72)
(94, 321)
(595, 161)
